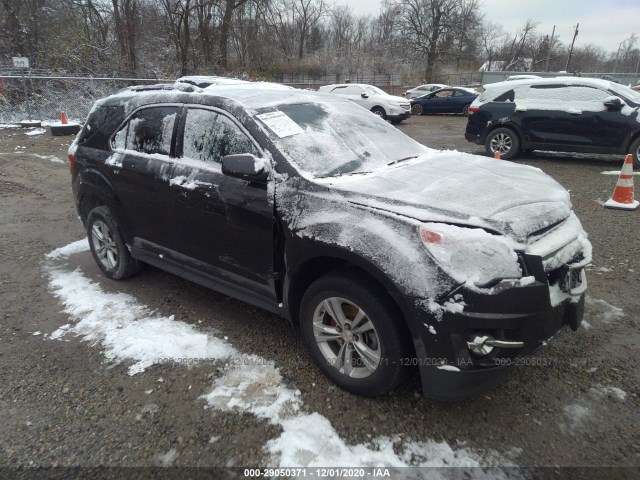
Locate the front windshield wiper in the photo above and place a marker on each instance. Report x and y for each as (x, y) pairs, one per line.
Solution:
(402, 160)
(342, 174)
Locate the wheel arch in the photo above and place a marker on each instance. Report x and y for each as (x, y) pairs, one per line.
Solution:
(298, 280)
(94, 189)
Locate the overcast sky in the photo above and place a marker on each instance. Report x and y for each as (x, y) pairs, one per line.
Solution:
(605, 23)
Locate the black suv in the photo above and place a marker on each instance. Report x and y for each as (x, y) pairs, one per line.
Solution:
(561, 114)
(386, 254)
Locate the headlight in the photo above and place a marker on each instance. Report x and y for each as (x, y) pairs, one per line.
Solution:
(470, 255)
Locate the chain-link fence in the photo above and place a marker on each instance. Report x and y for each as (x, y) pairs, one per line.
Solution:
(42, 97)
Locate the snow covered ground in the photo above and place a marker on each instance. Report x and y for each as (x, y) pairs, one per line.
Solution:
(130, 332)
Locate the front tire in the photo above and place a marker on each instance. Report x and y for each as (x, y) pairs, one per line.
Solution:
(354, 334)
(416, 109)
(108, 247)
(635, 152)
(380, 112)
(502, 140)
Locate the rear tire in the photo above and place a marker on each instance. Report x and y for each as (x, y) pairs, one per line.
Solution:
(108, 247)
(503, 140)
(465, 110)
(635, 151)
(354, 334)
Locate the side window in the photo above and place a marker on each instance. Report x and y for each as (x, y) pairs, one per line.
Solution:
(149, 131)
(209, 136)
(507, 96)
(350, 90)
(459, 93)
(443, 94)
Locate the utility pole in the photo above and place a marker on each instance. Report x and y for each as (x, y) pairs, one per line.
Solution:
(575, 34)
(546, 67)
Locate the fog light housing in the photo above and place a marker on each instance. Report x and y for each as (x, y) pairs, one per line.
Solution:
(483, 344)
(480, 344)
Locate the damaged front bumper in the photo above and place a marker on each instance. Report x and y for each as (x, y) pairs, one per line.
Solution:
(462, 352)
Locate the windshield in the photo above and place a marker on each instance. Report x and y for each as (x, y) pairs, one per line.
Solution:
(371, 90)
(331, 139)
(627, 93)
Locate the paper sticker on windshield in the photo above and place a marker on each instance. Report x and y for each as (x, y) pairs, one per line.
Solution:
(280, 124)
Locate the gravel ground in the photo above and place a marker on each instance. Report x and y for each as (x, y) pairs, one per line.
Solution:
(61, 404)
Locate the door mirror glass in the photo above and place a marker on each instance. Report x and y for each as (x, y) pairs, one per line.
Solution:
(364, 95)
(246, 166)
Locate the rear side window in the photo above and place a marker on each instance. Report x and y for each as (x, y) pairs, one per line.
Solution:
(149, 130)
(507, 96)
(100, 124)
(209, 136)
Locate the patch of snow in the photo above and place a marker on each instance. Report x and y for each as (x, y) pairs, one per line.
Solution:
(165, 459)
(51, 158)
(78, 246)
(36, 131)
(575, 416)
(449, 368)
(432, 330)
(125, 329)
(616, 172)
(129, 331)
(600, 310)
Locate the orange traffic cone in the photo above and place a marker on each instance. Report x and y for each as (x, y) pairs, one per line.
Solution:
(497, 155)
(623, 194)
(63, 118)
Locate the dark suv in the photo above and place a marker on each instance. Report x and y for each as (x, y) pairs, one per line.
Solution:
(386, 254)
(562, 114)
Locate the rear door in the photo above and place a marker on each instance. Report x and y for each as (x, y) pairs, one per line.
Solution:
(141, 162)
(222, 226)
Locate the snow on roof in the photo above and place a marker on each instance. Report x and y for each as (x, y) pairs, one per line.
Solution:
(591, 82)
(203, 81)
(252, 95)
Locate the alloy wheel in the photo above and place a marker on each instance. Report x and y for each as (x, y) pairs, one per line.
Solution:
(502, 143)
(104, 245)
(346, 337)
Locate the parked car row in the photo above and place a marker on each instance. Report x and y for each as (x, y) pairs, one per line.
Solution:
(386, 254)
(559, 114)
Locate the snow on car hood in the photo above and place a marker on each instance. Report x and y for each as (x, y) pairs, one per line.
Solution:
(460, 188)
(396, 98)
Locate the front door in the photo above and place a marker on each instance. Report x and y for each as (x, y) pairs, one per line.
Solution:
(222, 226)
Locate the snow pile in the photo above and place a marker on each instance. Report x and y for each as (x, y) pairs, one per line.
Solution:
(36, 131)
(129, 331)
(123, 328)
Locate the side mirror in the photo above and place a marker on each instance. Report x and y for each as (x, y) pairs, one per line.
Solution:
(246, 166)
(364, 95)
(613, 103)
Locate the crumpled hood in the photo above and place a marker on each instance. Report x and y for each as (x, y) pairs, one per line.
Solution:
(466, 189)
